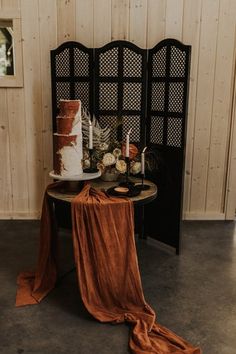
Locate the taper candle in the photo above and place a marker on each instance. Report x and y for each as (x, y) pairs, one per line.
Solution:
(127, 143)
(90, 135)
(143, 161)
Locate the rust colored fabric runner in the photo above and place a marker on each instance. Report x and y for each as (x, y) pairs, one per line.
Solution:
(107, 269)
(34, 286)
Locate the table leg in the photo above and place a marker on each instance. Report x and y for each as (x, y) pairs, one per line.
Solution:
(55, 241)
(142, 235)
(54, 230)
(140, 220)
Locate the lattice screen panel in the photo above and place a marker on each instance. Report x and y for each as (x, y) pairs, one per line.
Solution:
(158, 96)
(133, 122)
(159, 63)
(156, 134)
(133, 63)
(177, 62)
(108, 96)
(167, 93)
(132, 96)
(120, 85)
(81, 63)
(176, 95)
(168, 73)
(72, 75)
(174, 132)
(62, 91)
(108, 63)
(82, 92)
(63, 63)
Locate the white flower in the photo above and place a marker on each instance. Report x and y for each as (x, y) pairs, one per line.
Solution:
(103, 146)
(136, 168)
(108, 159)
(121, 166)
(117, 152)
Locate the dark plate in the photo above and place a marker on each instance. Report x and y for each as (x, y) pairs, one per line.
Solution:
(133, 192)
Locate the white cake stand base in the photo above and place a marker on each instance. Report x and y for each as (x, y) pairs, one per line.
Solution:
(76, 178)
(73, 182)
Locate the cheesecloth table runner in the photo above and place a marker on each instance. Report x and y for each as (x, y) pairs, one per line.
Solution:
(107, 269)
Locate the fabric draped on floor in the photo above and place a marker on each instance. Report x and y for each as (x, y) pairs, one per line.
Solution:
(107, 269)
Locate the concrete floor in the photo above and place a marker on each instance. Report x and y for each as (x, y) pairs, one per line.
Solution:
(193, 294)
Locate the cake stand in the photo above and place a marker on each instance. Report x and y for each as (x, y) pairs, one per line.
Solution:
(73, 182)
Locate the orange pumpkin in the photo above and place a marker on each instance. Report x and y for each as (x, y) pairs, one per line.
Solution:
(133, 150)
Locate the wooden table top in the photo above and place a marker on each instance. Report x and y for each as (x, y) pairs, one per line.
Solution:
(146, 196)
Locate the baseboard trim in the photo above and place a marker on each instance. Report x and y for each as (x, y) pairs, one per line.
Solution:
(203, 216)
(19, 215)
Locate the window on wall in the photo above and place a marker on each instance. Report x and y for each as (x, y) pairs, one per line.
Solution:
(11, 70)
(6, 48)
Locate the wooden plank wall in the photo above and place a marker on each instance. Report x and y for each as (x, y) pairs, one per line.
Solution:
(25, 114)
(26, 134)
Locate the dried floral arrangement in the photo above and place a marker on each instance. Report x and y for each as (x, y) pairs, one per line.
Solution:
(109, 155)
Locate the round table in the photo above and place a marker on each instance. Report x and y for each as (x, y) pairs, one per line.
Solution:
(146, 196)
(64, 194)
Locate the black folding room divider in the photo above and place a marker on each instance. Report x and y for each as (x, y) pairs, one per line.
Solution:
(146, 90)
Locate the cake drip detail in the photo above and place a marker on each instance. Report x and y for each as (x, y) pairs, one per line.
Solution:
(68, 140)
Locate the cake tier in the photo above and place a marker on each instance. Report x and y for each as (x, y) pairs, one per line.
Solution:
(68, 155)
(64, 124)
(69, 108)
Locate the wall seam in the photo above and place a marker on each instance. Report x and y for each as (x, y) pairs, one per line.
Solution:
(195, 108)
(213, 97)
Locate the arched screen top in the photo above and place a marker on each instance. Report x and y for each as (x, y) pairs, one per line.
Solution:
(120, 82)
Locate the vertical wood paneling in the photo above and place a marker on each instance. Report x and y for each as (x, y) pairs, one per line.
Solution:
(18, 150)
(207, 25)
(10, 4)
(174, 19)
(85, 22)
(102, 34)
(5, 170)
(138, 22)
(156, 22)
(191, 35)
(33, 102)
(48, 41)
(221, 108)
(204, 102)
(66, 20)
(120, 20)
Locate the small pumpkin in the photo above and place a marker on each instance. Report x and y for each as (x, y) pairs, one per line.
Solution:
(133, 150)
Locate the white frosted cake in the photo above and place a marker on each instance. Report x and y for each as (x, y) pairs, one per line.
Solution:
(68, 151)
